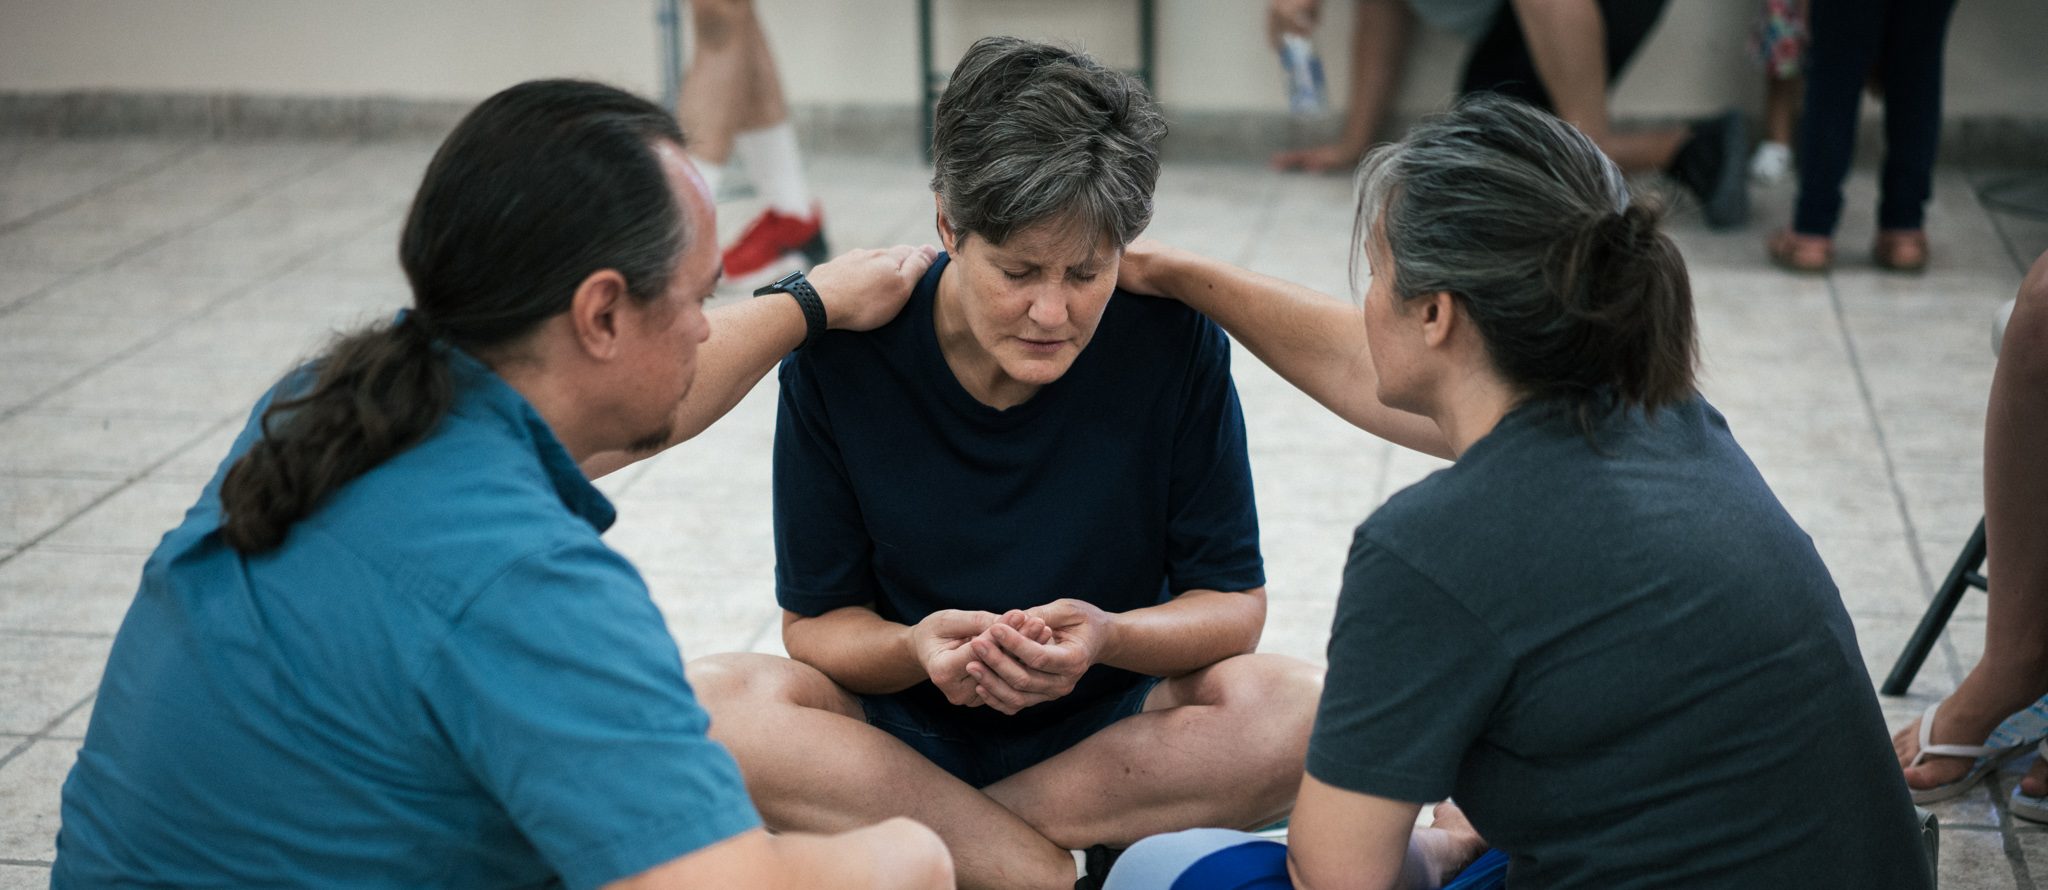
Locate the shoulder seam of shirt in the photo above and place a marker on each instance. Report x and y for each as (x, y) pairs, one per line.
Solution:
(1437, 585)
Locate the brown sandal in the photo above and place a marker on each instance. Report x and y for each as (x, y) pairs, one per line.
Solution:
(1801, 253)
(1901, 250)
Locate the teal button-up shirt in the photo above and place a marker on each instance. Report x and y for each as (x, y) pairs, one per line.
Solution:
(442, 678)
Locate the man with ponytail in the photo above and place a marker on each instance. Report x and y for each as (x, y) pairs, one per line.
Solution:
(387, 647)
(1598, 630)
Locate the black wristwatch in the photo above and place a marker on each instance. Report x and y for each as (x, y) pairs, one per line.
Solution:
(796, 285)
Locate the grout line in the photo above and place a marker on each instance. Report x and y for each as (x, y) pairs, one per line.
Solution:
(2015, 854)
(295, 263)
(115, 184)
(44, 733)
(124, 485)
(2005, 239)
(1884, 450)
(60, 634)
(147, 244)
(38, 863)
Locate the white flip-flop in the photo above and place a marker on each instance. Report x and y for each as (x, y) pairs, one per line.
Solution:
(1986, 759)
(2027, 806)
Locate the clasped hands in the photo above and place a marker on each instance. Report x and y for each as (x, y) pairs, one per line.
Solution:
(1011, 661)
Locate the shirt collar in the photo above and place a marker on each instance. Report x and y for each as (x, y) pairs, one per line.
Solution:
(475, 380)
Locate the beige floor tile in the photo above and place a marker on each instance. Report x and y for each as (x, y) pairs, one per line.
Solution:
(42, 676)
(30, 797)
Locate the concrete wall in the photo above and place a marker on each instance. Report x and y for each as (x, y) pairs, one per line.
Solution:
(858, 52)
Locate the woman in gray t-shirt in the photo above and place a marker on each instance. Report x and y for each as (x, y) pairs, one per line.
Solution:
(1598, 630)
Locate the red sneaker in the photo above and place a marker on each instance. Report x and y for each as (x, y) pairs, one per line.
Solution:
(772, 236)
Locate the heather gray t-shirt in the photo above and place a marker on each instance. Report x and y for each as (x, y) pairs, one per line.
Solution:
(1630, 668)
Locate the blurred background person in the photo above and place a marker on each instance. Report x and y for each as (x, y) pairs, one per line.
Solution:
(732, 107)
(1779, 44)
(1558, 55)
(1897, 45)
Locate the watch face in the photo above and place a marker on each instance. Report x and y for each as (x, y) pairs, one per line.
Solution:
(782, 284)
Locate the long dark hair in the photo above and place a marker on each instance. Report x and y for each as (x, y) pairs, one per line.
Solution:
(1577, 293)
(539, 187)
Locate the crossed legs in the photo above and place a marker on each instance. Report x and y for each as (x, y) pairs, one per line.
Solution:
(1222, 746)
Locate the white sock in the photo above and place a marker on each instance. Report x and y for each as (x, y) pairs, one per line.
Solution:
(773, 164)
(713, 174)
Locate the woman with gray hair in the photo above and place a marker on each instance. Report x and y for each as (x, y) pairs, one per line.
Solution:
(1016, 546)
(1597, 630)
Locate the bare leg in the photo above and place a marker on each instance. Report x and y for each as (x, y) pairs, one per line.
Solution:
(812, 763)
(1568, 42)
(1379, 44)
(1781, 107)
(1223, 746)
(731, 86)
(2013, 671)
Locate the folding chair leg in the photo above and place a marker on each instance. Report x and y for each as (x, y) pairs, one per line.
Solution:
(1960, 579)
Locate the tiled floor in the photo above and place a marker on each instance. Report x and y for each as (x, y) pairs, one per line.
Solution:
(150, 289)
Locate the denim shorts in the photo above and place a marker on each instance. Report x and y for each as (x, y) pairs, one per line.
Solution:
(982, 758)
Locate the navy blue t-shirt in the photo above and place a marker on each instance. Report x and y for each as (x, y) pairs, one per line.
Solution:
(1122, 483)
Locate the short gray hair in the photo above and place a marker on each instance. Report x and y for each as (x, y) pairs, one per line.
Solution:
(1565, 274)
(1028, 133)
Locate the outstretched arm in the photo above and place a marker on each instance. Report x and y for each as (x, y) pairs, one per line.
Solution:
(862, 290)
(1316, 341)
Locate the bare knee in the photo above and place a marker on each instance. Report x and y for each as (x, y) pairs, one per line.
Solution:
(1271, 697)
(735, 680)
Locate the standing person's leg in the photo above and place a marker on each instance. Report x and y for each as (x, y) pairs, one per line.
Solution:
(1562, 55)
(1914, 35)
(1845, 44)
(732, 107)
(718, 94)
(1223, 746)
(1780, 45)
(1566, 53)
(2013, 671)
(1380, 30)
(812, 763)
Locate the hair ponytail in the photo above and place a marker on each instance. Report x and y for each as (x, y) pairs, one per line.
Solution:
(376, 392)
(1627, 302)
(538, 187)
(1579, 296)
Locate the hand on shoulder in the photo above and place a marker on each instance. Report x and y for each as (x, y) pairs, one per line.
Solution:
(864, 289)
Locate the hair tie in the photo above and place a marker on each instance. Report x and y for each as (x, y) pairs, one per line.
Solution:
(417, 322)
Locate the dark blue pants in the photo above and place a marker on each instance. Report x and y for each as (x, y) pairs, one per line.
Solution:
(1901, 41)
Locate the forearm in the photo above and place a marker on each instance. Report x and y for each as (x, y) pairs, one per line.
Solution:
(894, 855)
(748, 338)
(1190, 632)
(857, 648)
(886, 856)
(1417, 870)
(1315, 341)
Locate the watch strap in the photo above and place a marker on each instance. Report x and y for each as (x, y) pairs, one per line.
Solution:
(807, 299)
